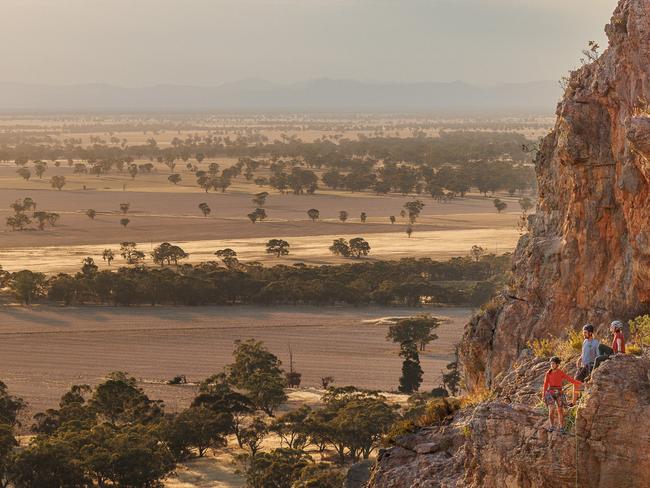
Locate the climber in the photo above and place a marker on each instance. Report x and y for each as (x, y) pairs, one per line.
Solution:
(618, 344)
(553, 394)
(586, 360)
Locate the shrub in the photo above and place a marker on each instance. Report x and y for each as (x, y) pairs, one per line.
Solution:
(640, 329)
(552, 346)
(479, 395)
(399, 429)
(634, 349)
(438, 410)
(543, 348)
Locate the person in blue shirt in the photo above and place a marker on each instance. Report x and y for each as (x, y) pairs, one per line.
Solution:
(586, 361)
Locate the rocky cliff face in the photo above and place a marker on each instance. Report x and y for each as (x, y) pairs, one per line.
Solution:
(503, 443)
(586, 258)
(587, 255)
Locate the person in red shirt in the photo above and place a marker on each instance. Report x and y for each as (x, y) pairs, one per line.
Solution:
(554, 396)
(618, 344)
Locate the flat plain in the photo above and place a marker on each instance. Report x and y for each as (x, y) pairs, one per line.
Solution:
(44, 350)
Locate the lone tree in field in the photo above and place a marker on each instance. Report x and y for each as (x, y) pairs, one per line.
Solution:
(409, 334)
(24, 173)
(57, 182)
(205, 208)
(108, 256)
(45, 217)
(124, 222)
(476, 253)
(124, 207)
(413, 210)
(174, 178)
(278, 247)
(260, 198)
(129, 252)
(39, 168)
(340, 247)
(500, 205)
(168, 253)
(228, 257)
(343, 216)
(257, 214)
(359, 247)
(363, 217)
(91, 213)
(314, 214)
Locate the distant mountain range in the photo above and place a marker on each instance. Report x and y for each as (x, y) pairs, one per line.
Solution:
(320, 95)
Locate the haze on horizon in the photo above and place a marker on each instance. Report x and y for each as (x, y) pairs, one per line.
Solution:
(210, 42)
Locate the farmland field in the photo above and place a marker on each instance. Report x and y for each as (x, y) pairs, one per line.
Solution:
(45, 350)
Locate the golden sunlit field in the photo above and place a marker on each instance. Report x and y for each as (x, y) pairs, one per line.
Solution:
(45, 349)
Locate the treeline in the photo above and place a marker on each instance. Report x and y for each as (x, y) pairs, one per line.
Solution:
(444, 167)
(449, 148)
(407, 282)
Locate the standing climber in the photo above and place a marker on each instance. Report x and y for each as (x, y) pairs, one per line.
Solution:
(585, 363)
(554, 396)
(618, 344)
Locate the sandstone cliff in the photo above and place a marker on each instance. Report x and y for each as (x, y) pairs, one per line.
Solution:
(587, 255)
(586, 258)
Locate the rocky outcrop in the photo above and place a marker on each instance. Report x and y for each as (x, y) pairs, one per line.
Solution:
(587, 255)
(503, 442)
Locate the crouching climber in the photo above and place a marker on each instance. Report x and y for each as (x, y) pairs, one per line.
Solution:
(553, 394)
(618, 344)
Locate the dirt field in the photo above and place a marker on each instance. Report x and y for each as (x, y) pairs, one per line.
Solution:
(442, 231)
(45, 350)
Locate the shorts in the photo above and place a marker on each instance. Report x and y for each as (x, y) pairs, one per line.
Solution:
(583, 373)
(555, 396)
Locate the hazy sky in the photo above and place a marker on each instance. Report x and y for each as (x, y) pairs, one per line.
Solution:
(208, 42)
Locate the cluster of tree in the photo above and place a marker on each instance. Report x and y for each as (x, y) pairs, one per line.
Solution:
(410, 282)
(112, 435)
(445, 166)
(21, 218)
(115, 435)
(356, 248)
(449, 147)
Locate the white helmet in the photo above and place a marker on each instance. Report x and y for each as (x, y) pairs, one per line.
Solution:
(616, 325)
